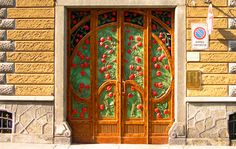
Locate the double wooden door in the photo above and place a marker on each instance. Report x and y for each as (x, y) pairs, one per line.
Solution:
(120, 75)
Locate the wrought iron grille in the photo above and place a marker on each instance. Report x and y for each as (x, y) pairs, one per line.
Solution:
(5, 122)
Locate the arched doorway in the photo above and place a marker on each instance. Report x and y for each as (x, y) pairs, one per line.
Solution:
(120, 75)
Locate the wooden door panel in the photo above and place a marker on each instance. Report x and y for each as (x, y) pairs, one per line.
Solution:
(120, 75)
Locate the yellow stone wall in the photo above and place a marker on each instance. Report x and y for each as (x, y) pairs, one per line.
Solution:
(33, 56)
(214, 62)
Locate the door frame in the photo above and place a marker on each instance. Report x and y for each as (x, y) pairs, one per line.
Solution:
(62, 132)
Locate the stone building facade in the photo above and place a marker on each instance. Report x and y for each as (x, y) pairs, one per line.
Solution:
(33, 69)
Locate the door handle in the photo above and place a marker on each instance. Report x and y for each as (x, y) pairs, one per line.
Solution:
(124, 89)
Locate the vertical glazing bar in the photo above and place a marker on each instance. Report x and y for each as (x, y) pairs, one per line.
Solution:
(147, 34)
(93, 71)
(119, 62)
(172, 63)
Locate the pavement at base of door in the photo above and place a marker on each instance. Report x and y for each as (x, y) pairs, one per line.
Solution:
(105, 146)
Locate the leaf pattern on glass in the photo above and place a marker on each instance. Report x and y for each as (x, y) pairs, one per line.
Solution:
(162, 34)
(80, 70)
(133, 60)
(134, 103)
(77, 16)
(160, 67)
(106, 18)
(161, 110)
(79, 33)
(164, 16)
(107, 102)
(107, 49)
(79, 110)
(134, 18)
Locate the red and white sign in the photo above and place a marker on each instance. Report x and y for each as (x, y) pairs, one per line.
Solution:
(200, 36)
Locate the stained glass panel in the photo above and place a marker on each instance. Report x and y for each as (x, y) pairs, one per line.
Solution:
(77, 16)
(107, 102)
(79, 110)
(107, 58)
(134, 51)
(134, 18)
(164, 16)
(160, 67)
(80, 70)
(108, 17)
(134, 103)
(162, 34)
(161, 110)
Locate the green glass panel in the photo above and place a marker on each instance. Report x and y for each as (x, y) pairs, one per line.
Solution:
(77, 16)
(107, 49)
(160, 67)
(80, 71)
(134, 52)
(134, 103)
(162, 34)
(134, 18)
(108, 17)
(79, 34)
(79, 110)
(107, 102)
(164, 16)
(161, 110)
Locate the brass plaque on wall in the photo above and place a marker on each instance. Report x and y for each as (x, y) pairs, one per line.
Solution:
(193, 79)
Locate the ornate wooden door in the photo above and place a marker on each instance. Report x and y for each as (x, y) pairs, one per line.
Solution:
(120, 75)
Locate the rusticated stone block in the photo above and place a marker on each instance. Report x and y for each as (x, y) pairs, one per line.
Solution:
(3, 12)
(34, 90)
(33, 3)
(6, 67)
(232, 68)
(6, 3)
(30, 34)
(2, 56)
(7, 24)
(34, 46)
(30, 13)
(35, 24)
(193, 56)
(3, 35)
(232, 90)
(218, 22)
(210, 90)
(30, 78)
(196, 12)
(7, 45)
(218, 56)
(30, 56)
(213, 45)
(6, 89)
(34, 67)
(2, 78)
(219, 79)
(232, 23)
(232, 3)
(208, 67)
(232, 45)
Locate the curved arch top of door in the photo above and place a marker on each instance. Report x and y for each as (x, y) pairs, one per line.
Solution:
(120, 75)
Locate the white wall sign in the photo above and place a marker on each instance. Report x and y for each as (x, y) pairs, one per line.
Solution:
(200, 36)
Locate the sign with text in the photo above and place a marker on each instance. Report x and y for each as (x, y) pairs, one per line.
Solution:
(200, 36)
